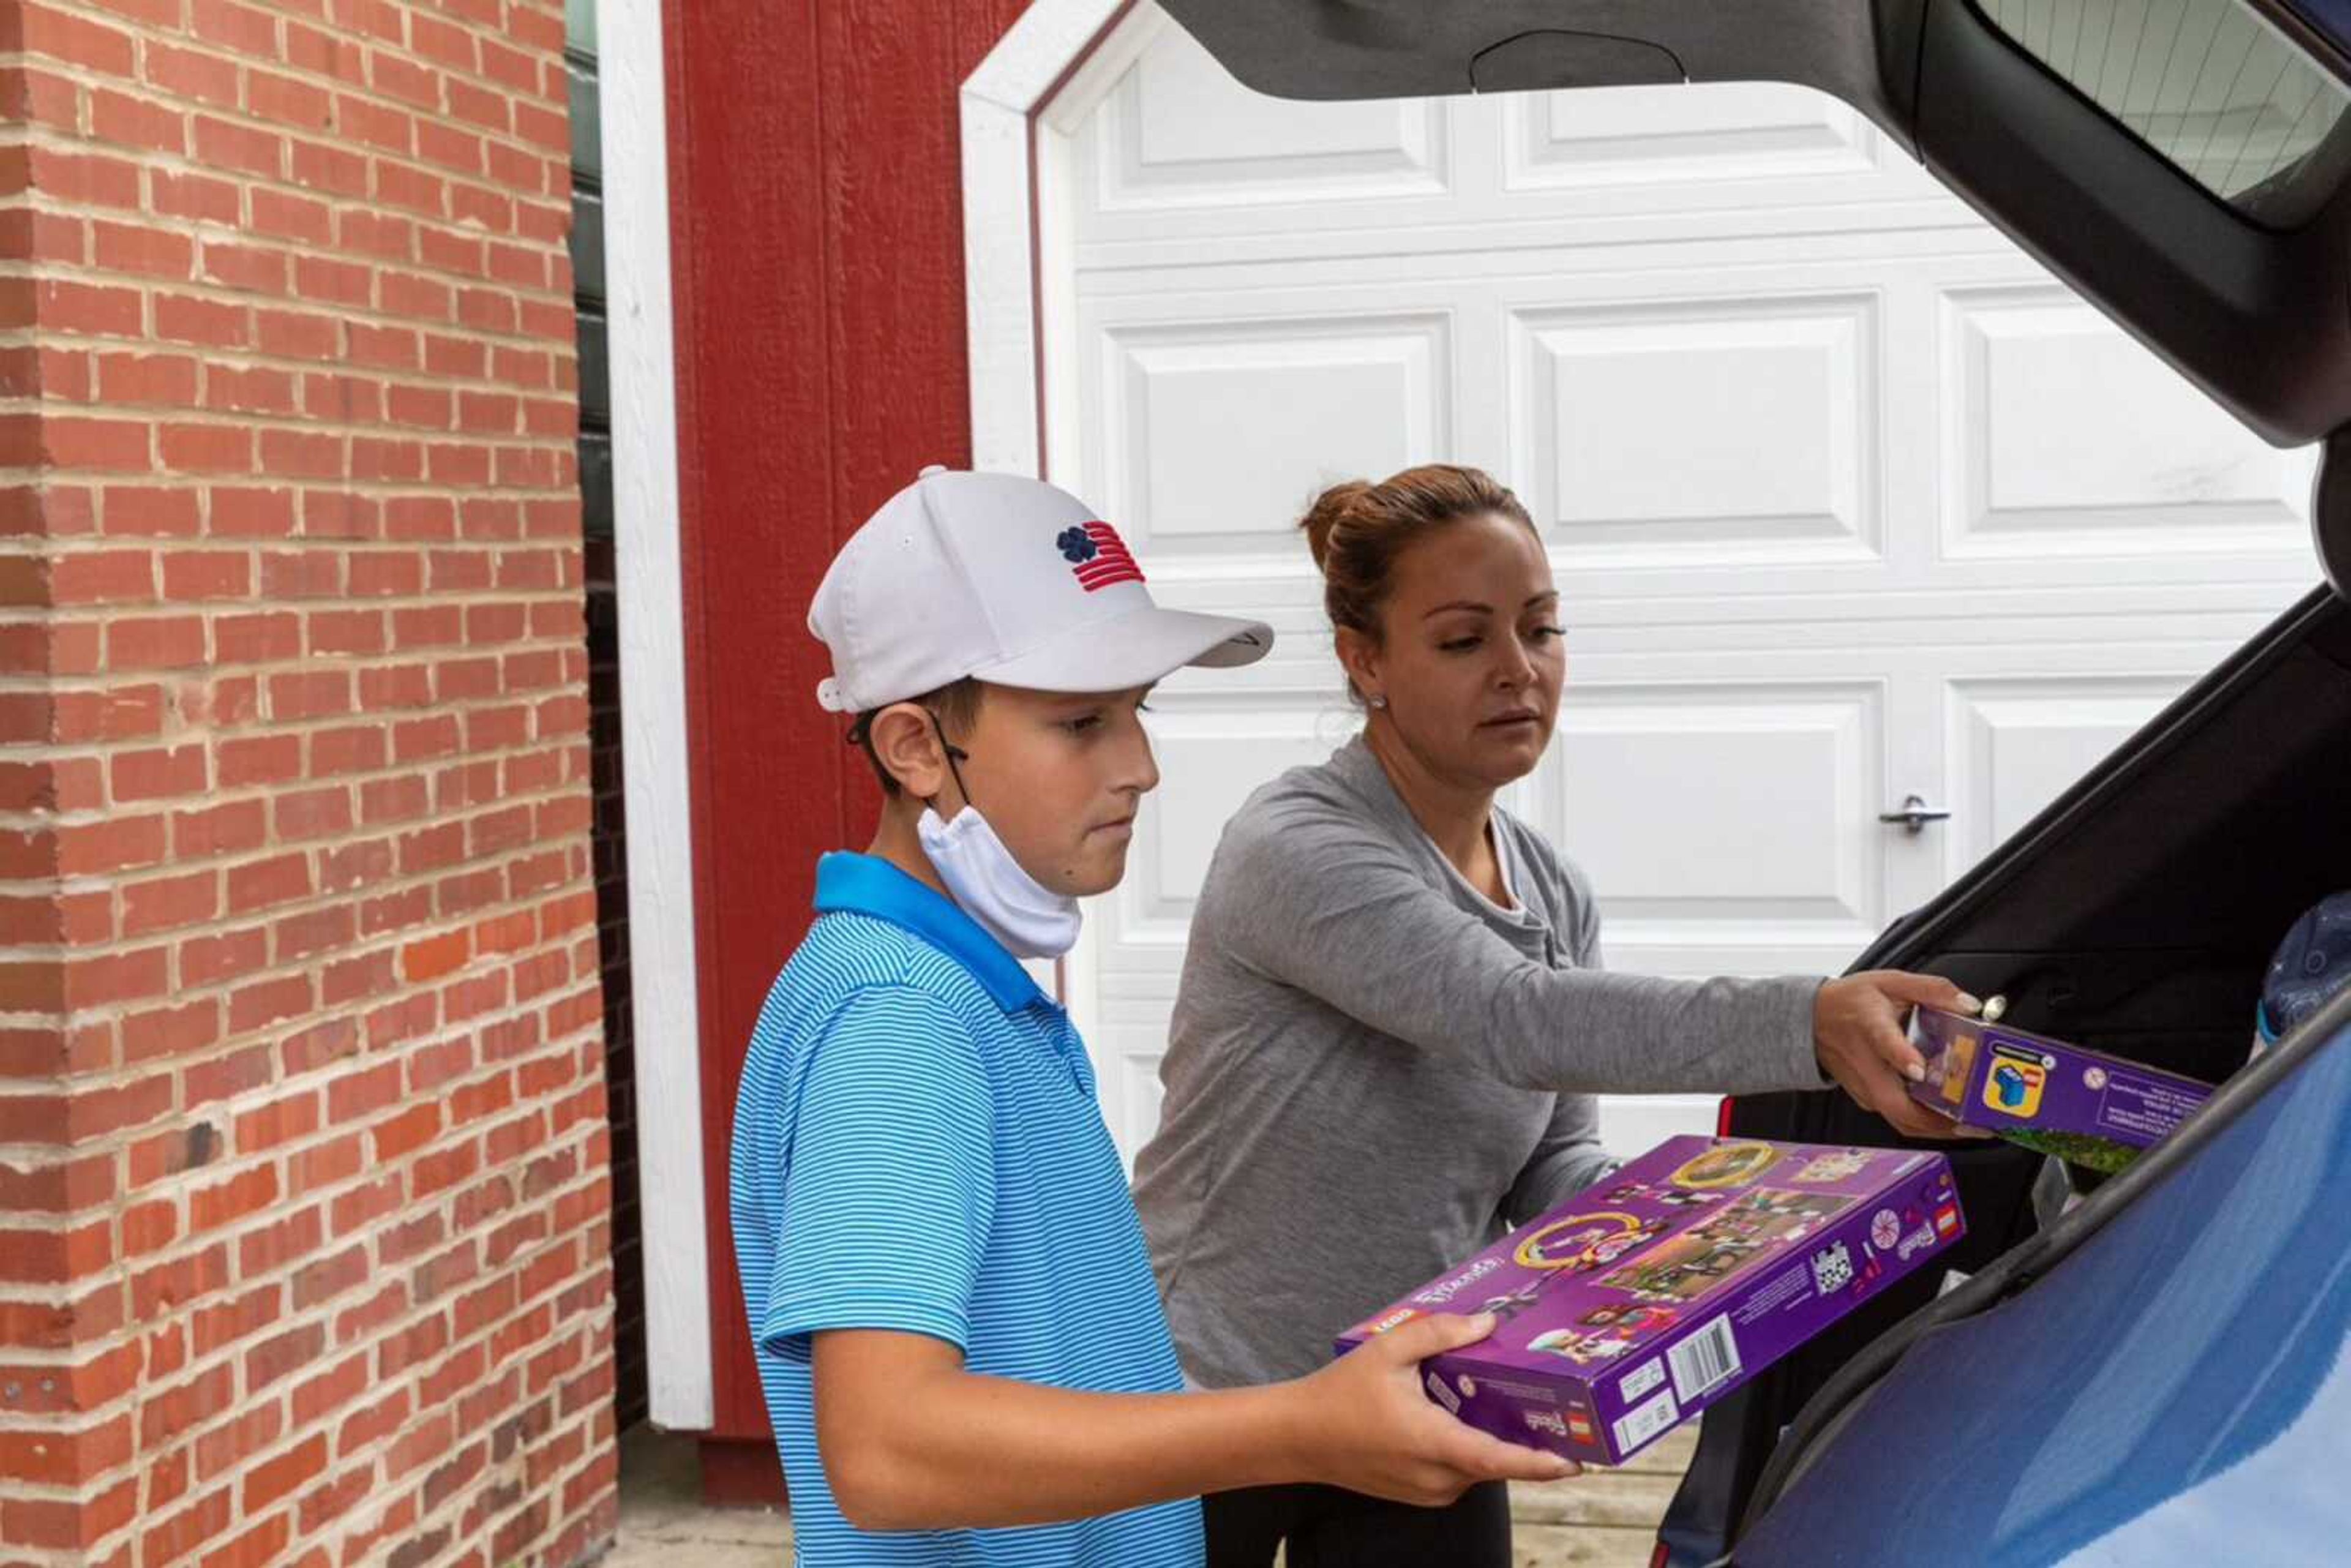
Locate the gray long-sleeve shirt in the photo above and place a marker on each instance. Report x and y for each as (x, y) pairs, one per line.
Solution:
(1374, 1069)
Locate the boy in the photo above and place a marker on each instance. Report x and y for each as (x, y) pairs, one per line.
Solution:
(958, 1332)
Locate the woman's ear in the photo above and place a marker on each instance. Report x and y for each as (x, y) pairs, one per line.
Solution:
(1360, 657)
(907, 742)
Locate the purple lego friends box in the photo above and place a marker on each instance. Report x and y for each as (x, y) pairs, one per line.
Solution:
(1655, 1291)
(2083, 1106)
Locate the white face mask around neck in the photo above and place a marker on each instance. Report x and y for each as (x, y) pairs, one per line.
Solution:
(1030, 919)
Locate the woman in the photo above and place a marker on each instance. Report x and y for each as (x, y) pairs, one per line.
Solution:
(1393, 1019)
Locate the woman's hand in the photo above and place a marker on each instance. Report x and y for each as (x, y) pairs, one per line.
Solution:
(1858, 1034)
(1364, 1422)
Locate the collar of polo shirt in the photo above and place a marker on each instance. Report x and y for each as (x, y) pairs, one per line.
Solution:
(851, 883)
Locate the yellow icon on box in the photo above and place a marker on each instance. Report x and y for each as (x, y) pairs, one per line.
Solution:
(2013, 1087)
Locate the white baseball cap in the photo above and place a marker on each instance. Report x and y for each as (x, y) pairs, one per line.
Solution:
(1005, 579)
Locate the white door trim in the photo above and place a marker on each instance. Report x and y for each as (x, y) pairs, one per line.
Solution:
(1001, 101)
(670, 1125)
(1006, 224)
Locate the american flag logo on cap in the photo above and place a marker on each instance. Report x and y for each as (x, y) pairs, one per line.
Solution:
(1097, 556)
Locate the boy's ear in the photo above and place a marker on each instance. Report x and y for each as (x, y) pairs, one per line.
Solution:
(908, 745)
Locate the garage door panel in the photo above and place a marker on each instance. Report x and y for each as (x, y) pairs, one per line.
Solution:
(1126, 1077)
(1126, 1048)
(1654, 136)
(2016, 744)
(1746, 428)
(1721, 813)
(1220, 433)
(1166, 144)
(2064, 434)
(1213, 754)
(1177, 131)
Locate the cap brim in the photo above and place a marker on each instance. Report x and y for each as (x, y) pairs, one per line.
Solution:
(1136, 648)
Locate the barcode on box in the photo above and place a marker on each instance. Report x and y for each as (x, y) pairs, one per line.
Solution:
(1635, 1428)
(1706, 1359)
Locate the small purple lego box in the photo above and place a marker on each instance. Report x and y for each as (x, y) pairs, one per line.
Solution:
(1655, 1291)
(2083, 1106)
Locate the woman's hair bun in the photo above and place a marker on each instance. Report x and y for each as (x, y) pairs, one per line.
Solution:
(1358, 560)
(1324, 515)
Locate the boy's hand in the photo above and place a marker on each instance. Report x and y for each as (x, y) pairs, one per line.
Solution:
(1363, 1422)
(1857, 1032)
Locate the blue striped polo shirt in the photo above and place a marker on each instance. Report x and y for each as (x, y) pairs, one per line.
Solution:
(917, 1147)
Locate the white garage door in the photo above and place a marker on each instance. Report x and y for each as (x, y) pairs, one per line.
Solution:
(1850, 500)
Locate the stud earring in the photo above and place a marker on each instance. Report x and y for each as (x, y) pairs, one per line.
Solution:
(1378, 701)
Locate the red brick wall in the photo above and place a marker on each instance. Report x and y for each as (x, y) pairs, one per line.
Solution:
(304, 1193)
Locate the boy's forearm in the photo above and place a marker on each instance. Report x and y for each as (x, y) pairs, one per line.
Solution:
(970, 1451)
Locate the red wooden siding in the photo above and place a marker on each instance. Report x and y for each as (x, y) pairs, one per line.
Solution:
(818, 236)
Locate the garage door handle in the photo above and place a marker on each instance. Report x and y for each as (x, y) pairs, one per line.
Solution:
(1914, 814)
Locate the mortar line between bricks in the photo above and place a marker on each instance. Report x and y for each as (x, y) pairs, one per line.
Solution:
(199, 801)
(234, 1167)
(42, 200)
(257, 478)
(369, 1454)
(256, 920)
(355, 1009)
(141, 88)
(84, 882)
(501, 859)
(270, 913)
(238, 357)
(216, 669)
(195, 801)
(83, 615)
(259, 475)
(565, 542)
(368, 1235)
(220, 671)
(246, 358)
(311, 1021)
(163, 1064)
(238, 613)
(313, 1078)
(292, 299)
(562, 540)
(222, 795)
(91, 545)
(153, 417)
(375, 1231)
(341, 202)
(56, 404)
(563, 352)
(560, 353)
(530, 596)
(188, 41)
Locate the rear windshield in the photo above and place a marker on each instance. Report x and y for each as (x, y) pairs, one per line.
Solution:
(2218, 93)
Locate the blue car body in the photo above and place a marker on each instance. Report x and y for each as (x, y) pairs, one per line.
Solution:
(2177, 1391)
